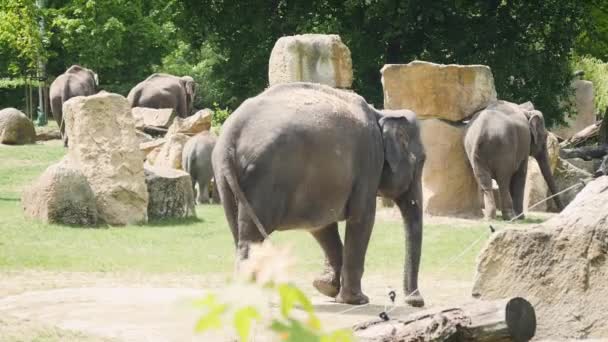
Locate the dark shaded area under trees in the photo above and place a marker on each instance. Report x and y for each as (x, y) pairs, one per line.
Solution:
(225, 45)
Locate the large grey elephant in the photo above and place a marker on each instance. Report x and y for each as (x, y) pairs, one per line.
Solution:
(164, 91)
(498, 141)
(196, 160)
(75, 81)
(303, 155)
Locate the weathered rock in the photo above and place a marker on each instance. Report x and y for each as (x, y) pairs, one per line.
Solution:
(318, 58)
(143, 137)
(61, 195)
(105, 148)
(170, 153)
(170, 193)
(149, 146)
(450, 92)
(153, 117)
(585, 108)
(449, 187)
(567, 175)
(560, 266)
(553, 150)
(536, 188)
(585, 165)
(200, 121)
(16, 128)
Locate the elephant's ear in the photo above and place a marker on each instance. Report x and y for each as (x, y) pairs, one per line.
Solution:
(395, 138)
(189, 85)
(537, 126)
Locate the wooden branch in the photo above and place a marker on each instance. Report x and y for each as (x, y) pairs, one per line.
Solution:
(585, 152)
(583, 136)
(510, 319)
(153, 130)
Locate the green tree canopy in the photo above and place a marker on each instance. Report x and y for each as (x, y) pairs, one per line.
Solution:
(527, 43)
(20, 40)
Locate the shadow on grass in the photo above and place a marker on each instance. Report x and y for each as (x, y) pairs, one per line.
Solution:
(6, 199)
(174, 222)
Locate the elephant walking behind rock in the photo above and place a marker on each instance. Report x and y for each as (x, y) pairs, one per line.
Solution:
(75, 81)
(164, 91)
(498, 141)
(196, 160)
(303, 155)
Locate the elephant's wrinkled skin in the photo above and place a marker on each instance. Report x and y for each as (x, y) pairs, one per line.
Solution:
(304, 155)
(196, 160)
(164, 91)
(498, 141)
(76, 81)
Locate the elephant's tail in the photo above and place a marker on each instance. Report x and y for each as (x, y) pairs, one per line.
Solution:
(230, 176)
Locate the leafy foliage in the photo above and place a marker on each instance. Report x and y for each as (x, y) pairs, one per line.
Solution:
(597, 72)
(526, 43)
(20, 40)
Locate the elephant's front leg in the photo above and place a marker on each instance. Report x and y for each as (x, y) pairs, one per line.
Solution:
(328, 283)
(358, 232)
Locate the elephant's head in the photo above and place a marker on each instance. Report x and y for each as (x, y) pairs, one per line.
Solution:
(538, 150)
(189, 86)
(401, 181)
(403, 151)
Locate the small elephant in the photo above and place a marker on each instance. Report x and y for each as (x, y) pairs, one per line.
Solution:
(196, 160)
(164, 91)
(304, 155)
(76, 81)
(498, 141)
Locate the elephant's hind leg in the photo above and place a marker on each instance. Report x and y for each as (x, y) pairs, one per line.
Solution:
(328, 237)
(518, 185)
(504, 187)
(484, 180)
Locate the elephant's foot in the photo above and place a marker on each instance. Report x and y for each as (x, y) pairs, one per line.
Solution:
(327, 284)
(415, 300)
(508, 215)
(348, 297)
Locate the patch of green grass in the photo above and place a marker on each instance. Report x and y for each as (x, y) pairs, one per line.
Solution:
(200, 246)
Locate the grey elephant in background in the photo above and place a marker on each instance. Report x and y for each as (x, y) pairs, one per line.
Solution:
(164, 91)
(75, 81)
(196, 160)
(303, 155)
(498, 141)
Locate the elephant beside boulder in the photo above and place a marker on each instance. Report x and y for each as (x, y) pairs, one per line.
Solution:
(196, 160)
(75, 81)
(498, 141)
(304, 155)
(164, 91)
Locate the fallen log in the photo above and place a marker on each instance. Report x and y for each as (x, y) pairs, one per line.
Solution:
(512, 319)
(584, 136)
(585, 152)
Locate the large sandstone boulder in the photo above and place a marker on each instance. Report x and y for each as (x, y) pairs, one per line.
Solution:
(61, 195)
(585, 108)
(16, 128)
(200, 121)
(170, 193)
(318, 58)
(105, 148)
(169, 153)
(451, 92)
(153, 117)
(560, 266)
(449, 187)
(148, 147)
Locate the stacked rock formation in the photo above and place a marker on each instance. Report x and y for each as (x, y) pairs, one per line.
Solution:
(443, 96)
(318, 58)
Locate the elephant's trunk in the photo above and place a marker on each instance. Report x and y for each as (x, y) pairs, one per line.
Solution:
(410, 205)
(543, 162)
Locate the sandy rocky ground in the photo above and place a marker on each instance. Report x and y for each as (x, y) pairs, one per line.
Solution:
(71, 306)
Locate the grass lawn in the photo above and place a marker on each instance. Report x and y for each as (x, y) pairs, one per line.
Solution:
(199, 246)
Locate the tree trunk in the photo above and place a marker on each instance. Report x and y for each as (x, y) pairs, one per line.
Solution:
(510, 319)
